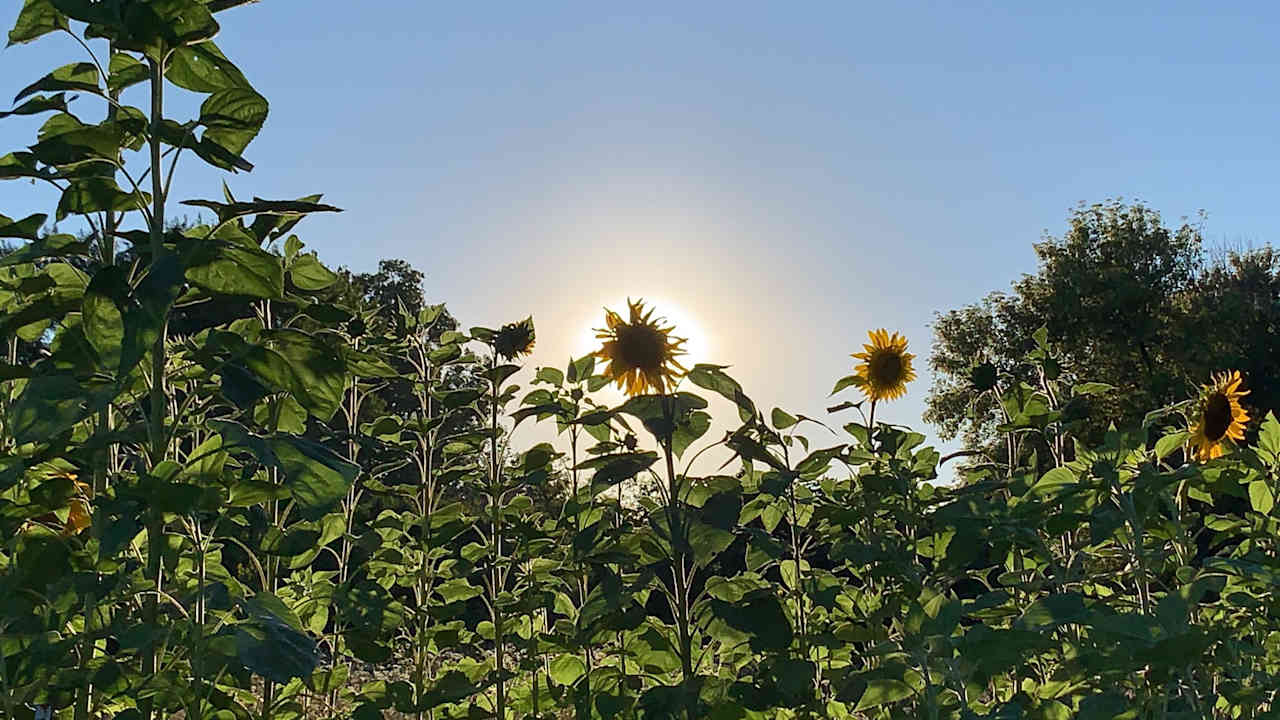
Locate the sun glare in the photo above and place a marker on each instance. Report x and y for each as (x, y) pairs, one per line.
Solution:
(697, 347)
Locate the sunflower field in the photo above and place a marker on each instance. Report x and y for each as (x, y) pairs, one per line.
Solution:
(226, 495)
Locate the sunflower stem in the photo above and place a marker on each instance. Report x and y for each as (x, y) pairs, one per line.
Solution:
(678, 557)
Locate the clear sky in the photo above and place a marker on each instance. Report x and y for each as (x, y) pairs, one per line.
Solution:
(784, 176)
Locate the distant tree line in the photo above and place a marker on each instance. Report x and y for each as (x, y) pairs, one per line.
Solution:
(1127, 299)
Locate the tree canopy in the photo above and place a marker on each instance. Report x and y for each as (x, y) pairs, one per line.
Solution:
(1126, 299)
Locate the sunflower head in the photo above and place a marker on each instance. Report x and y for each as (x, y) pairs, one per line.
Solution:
(79, 515)
(886, 368)
(641, 352)
(1220, 418)
(515, 339)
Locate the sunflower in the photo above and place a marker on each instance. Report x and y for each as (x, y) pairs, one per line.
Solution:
(886, 366)
(78, 516)
(514, 339)
(1220, 417)
(641, 353)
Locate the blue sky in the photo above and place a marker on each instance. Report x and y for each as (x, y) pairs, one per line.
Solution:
(784, 176)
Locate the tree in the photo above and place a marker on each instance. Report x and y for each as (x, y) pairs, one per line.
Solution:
(1126, 300)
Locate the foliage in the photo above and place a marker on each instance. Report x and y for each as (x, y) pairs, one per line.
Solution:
(234, 482)
(1118, 294)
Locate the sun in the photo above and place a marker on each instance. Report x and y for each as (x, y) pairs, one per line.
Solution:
(698, 343)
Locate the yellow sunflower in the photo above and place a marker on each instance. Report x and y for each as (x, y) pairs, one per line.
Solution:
(79, 517)
(641, 352)
(514, 339)
(1220, 417)
(886, 366)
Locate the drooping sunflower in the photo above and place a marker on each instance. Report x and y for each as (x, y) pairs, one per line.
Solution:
(641, 351)
(514, 339)
(1220, 418)
(886, 366)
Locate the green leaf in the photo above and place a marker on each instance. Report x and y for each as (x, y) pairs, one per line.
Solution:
(203, 68)
(270, 642)
(1269, 437)
(27, 228)
(782, 419)
(206, 462)
(1260, 497)
(39, 104)
(280, 208)
(233, 269)
(95, 194)
(760, 616)
(566, 669)
(124, 71)
(37, 17)
(50, 405)
(1053, 482)
(1171, 442)
(101, 318)
(457, 590)
(843, 383)
(1092, 388)
(50, 246)
(317, 477)
(613, 469)
(233, 118)
(19, 165)
(688, 430)
(581, 369)
(550, 375)
(712, 377)
(708, 542)
(317, 375)
(309, 275)
(154, 28)
(1052, 611)
(75, 76)
(882, 691)
(453, 686)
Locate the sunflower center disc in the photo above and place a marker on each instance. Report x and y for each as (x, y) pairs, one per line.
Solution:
(641, 347)
(886, 369)
(1217, 417)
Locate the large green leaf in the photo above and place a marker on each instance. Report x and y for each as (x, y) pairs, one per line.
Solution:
(39, 104)
(882, 691)
(713, 377)
(75, 76)
(758, 615)
(95, 194)
(566, 669)
(124, 71)
(233, 118)
(232, 269)
(101, 318)
(317, 477)
(613, 469)
(282, 208)
(27, 228)
(1052, 611)
(50, 405)
(317, 373)
(37, 17)
(203, 68)
(308, 274)
(270, 642)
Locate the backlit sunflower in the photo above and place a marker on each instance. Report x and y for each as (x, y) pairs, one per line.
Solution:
(514, 339)
(886, 366)
(1220, 417)
(641, 352)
